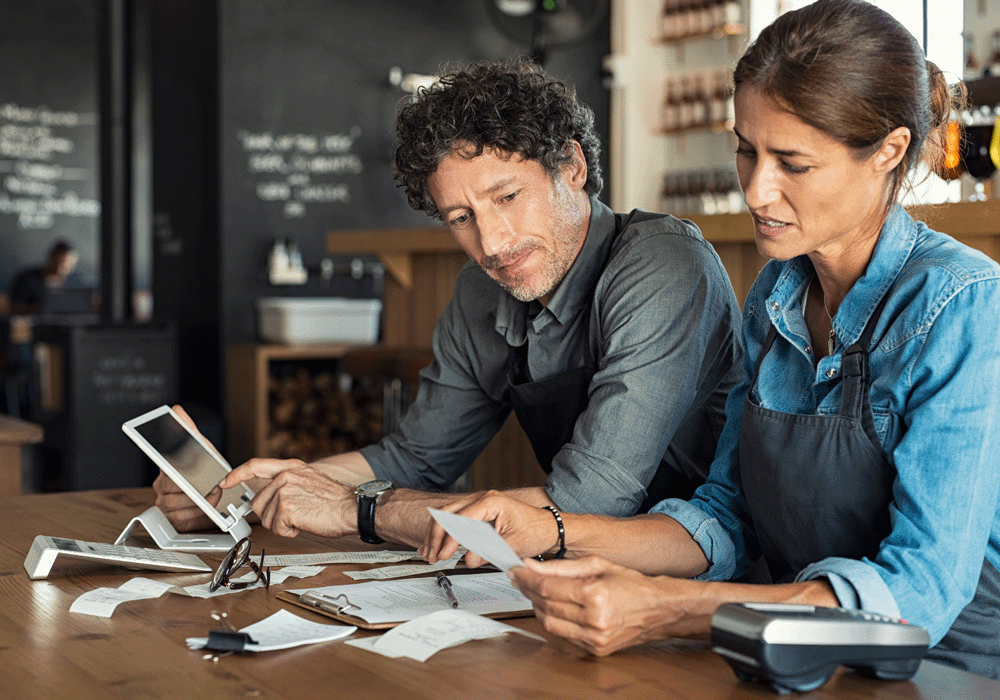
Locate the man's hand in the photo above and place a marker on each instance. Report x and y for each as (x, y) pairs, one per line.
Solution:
(296, 497)
(528, 529)
(180, 510)
(602, 607)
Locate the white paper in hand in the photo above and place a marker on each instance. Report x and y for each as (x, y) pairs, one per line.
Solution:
(479, 537)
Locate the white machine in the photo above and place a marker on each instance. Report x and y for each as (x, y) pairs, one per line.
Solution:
(46, 550)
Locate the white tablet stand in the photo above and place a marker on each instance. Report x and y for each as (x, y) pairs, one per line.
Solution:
(166, 537)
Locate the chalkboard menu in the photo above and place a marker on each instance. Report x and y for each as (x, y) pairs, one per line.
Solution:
(48, 132)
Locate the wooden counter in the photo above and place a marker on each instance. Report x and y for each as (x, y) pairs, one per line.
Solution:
(14, 434)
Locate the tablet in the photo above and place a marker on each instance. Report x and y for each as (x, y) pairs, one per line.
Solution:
(192, 464)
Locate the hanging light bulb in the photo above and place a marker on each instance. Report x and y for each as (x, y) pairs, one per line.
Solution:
(951, 166)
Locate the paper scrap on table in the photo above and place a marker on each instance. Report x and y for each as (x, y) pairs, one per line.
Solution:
(423, 637)
(401, 570)
(378, 557)
(479, 537)
(284, 630)
(294, 572)
(101, 602)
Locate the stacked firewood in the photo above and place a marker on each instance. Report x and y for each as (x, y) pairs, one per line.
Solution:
(316, 414)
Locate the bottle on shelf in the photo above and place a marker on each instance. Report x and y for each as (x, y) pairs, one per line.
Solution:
(717, 12)
(672, 106)
(670, 21)
(973, 69)
(699, 101)
(718, 101)
(732, 14)
(703, 17)
(686, 111)
(994, 63)
(702, 192)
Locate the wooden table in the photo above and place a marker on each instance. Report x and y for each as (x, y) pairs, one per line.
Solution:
(48, 652)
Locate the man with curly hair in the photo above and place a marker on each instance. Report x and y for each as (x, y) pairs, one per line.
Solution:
(612, 337)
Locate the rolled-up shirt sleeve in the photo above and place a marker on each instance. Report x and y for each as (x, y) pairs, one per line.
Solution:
(856, 584)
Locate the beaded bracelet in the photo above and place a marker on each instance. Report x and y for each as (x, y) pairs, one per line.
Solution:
(562, 531)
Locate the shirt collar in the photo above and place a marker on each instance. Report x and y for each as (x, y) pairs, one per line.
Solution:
(892, 250)
(576, 289)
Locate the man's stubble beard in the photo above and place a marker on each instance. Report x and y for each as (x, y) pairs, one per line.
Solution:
(567, 230)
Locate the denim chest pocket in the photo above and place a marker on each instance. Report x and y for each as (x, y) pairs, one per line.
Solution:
(887, 426)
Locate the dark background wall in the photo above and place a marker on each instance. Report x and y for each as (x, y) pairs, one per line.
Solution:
(308, 112)
(258, 119)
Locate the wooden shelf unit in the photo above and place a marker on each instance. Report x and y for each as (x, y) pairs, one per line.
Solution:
(248, 370)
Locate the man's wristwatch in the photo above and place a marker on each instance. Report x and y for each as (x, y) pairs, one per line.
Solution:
(369, 494)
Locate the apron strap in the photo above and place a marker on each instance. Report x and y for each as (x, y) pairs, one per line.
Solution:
(857, 376)
(772, 333)
(854, 373)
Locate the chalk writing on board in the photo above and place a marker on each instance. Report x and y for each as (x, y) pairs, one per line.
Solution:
(296, 170)
(125, 378)
(38, 176)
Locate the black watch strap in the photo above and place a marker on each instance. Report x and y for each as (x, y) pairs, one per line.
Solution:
(366, 520)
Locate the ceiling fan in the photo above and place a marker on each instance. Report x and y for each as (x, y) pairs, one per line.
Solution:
(544, 25)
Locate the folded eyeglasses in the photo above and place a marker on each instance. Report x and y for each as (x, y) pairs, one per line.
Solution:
(235, 559)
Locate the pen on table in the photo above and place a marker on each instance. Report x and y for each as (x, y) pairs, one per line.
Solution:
(443, 581)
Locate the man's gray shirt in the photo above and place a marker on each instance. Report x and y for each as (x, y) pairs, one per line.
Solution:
(663, 326)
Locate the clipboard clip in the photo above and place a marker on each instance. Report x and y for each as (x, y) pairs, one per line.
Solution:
(338, 605)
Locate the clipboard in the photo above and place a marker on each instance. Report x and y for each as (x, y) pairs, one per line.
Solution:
(339, 608)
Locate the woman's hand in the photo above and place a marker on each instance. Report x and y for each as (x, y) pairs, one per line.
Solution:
(528, 530)
(602, 607)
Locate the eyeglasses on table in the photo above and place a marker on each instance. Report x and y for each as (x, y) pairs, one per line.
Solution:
(235, 559)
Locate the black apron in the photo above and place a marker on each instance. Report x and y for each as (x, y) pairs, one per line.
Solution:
(819, 486)
(547, 410)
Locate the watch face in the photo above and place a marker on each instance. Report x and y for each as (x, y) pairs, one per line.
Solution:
(371, 488)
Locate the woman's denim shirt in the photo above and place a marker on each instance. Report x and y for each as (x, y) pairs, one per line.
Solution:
(935, 396)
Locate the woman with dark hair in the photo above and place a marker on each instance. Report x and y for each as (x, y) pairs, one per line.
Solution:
(857, 467)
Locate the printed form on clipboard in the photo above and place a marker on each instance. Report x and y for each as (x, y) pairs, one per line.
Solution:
(384, 604)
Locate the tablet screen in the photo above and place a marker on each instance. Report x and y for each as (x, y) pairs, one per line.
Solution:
(189, 457)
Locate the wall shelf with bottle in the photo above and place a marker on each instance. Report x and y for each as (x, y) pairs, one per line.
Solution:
(702, 192)
(695, 118)
(684, 20)
(697, 101)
